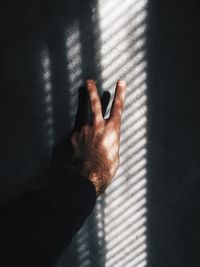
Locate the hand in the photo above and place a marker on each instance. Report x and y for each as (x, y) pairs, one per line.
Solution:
(96, 147)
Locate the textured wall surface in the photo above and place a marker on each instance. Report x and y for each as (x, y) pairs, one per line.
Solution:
(150, 214)
(115, 233)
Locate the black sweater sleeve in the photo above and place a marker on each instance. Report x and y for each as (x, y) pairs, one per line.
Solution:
(37, 227)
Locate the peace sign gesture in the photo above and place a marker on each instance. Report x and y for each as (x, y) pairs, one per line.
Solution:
(96, 146)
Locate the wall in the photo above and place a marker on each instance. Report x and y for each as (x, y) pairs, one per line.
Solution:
(149, 216)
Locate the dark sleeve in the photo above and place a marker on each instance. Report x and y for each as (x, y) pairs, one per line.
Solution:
(37, 227)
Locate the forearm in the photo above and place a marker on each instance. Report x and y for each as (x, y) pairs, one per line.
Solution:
(37, 227)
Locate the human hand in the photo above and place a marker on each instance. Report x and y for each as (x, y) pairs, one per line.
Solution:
(96, 147)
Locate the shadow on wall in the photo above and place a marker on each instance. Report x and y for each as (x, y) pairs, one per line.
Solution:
(42, 69)
(39, 93)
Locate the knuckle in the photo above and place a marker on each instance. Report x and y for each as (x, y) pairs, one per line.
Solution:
(118, 103)
(73, 140)
(90, 85)
(73, 136)
(84, 129)
(96, 129)
(113, 124)
(95, 102)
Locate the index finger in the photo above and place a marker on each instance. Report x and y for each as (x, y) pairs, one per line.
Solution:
(118, 102)
(95, 102)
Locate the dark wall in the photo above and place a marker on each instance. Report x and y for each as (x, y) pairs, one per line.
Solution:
(28, 31)
(173, 53)
(174, 130)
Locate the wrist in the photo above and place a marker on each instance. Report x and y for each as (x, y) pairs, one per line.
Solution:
(96, 175)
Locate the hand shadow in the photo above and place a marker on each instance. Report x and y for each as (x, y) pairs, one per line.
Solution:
(83, 115)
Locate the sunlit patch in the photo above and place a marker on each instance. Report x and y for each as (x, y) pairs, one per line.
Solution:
(83, 248)
(108, 74)
(128, 219)
(117, 182)
(74, 65)
(127, 134)
(49, 122)
(125, 244)
(122, 188)
(114, 256)
(136, 125)
(73, 48)
(123, 29)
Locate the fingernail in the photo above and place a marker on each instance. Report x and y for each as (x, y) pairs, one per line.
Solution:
(121, 83)
(90, 81)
